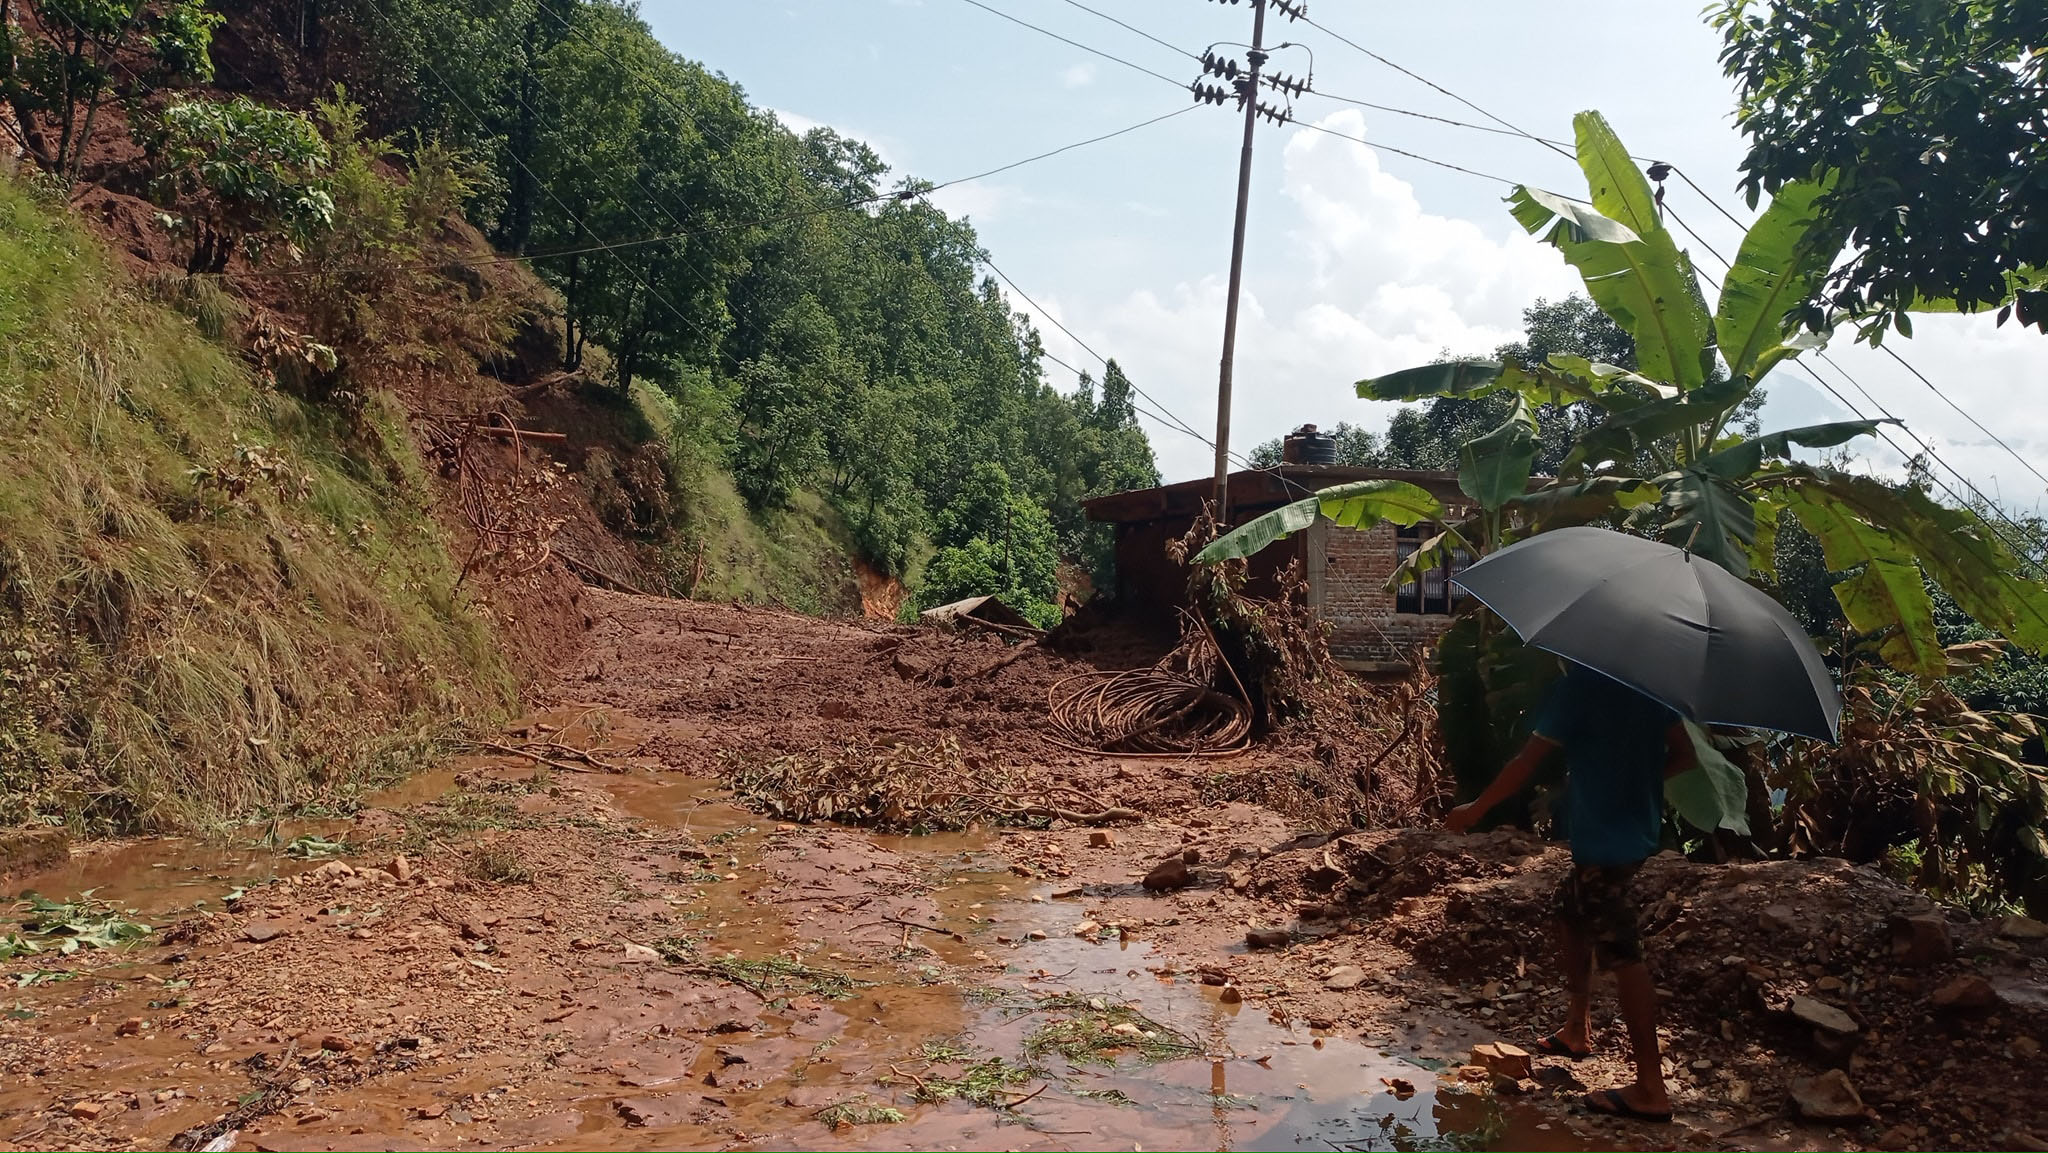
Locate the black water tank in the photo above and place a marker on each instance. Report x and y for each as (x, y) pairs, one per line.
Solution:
(1307, 446)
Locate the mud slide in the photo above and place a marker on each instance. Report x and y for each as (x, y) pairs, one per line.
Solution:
(583, 943)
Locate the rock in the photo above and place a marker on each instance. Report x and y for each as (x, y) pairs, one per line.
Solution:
(1966, 993)
(258, 932)
(2026, 1048)
(1896, 1137)
(1554, 1076)
(1171, 873)
(1229, 995)
(401, 868)
(2022, 929)
(1036, 934)
(1266, 938)
(1401, 1087)
(1921, 940)
(1828, 1097)
(1191, 855)
(1503, 1060)
(2019, 1139)
(1101, 839)
(1126, 1029)
(910, 668)
(729, 1056)
(1086, 929)
(377, 876)
(639, 954)
(302, 1085)
(432, 1112)
(1511, 1086)
(1344, 977)
(128, 1028)
(1823, 1016)
(585, 944)
(1829, 984)
(1778, 919)
(87, 1110)
(1211, 975)
(336, 1043)
(1065, 894)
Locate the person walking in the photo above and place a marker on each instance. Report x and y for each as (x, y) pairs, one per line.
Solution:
(1619, 746)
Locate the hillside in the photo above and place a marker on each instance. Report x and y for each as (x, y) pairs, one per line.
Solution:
(318, 463)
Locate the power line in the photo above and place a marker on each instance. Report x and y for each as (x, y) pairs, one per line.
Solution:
(1075, 43)
(1403, 152)
(1554, 146)
(1129, 28)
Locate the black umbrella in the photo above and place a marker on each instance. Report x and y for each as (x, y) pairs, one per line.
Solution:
(1674, 626)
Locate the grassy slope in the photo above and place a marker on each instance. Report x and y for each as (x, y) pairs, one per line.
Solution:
(208, 604)
(799, 557)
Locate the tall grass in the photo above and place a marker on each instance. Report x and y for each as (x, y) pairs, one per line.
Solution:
(213, 599)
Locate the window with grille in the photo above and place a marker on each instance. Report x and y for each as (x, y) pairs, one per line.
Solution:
(1433, 594)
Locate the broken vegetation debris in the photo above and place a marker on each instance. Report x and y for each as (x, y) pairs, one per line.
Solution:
(312, 847)
(85, 922)
(988, 1083)
(902, 788)
(859, 1111)
(1095, 1030)
(776, 980)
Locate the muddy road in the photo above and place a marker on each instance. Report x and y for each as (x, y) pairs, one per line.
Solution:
(607, 952)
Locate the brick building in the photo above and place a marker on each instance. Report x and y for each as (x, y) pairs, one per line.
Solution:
(1372, 629)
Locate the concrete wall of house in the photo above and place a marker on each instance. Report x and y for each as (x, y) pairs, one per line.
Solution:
(1365, 631)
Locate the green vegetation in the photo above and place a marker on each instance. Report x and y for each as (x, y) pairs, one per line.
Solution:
(833, 368)
(65, 927)
(452, 817)
(235, 173)
(1666, 454)
(55, 79)
(1926, 123)
(859, 1111)
(988, 1083)
(780, 979)
(1095, 1030)
(175, 644)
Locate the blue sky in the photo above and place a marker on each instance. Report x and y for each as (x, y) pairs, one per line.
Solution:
(1359, 260)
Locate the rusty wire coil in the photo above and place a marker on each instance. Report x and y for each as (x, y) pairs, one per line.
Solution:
(1147, 712)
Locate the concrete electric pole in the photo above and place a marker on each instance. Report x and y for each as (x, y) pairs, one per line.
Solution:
(1244, 88)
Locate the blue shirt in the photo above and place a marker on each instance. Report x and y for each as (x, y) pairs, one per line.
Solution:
(1614, 754)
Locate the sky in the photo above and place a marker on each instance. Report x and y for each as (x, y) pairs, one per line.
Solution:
(1359, 260)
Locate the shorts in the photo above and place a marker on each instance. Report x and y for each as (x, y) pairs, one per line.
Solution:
(1593, 900)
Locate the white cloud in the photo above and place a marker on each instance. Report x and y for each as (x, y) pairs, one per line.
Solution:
(1385, 285)
(978, 201)
(1079, 76)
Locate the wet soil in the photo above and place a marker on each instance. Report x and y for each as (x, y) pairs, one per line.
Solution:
(572, 960)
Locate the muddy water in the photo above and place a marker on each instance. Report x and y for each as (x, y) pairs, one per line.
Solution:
(1257, 1083)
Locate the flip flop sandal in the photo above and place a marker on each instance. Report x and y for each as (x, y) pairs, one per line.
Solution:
(1612, 1103)
(1554, 1046)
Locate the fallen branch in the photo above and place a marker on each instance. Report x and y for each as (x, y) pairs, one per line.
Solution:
(1104, 817)
(512, 751)
(587, 570)
(501, 432)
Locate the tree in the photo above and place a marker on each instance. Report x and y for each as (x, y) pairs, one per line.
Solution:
(1926, 127)
(57, 59)
(992, 541)
(235, 174)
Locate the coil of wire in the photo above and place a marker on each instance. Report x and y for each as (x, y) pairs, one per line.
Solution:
(1147, 712)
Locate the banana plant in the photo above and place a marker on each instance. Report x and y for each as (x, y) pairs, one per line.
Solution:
(1662, 458)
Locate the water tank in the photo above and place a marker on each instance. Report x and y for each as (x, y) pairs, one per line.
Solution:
(1305, 445)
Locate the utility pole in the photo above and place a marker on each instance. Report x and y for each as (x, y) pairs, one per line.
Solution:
(1244, 88)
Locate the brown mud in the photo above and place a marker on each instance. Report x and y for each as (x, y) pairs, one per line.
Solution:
(569, 960)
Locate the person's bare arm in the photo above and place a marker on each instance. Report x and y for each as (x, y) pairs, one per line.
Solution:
(1511, 779)
(1678, 751)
